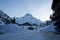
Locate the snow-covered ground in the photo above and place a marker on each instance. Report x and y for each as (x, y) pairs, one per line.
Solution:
(48, 28)
(11, 28)
(15, 32)
(30, 35)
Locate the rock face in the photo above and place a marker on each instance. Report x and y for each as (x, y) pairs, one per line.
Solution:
(56, 15)
(5, 18)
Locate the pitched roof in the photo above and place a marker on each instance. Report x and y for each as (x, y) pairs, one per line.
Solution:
(26, 24)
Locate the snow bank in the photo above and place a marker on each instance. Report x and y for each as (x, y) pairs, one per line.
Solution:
(48, 28)
(10, 28)
(2, 23)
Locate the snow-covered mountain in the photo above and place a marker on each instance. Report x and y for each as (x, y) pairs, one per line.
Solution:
(28, 18)
(4, 17)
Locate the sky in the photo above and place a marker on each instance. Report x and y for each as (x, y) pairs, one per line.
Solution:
(41, 9)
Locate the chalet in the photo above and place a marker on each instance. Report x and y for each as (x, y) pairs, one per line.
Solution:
(26, 24)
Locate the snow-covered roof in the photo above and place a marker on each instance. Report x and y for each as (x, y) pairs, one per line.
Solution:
(2, 23)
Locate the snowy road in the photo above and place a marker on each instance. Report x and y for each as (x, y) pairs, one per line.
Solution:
(30, 35)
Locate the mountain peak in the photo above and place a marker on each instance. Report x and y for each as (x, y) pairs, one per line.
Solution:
(28, 15)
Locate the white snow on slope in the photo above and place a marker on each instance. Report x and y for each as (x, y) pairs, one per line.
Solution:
(13, 28)
(10, 28)
(28, 18)
(3, 15)
(48, 28)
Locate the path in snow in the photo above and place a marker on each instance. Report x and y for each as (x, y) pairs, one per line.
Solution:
(30, 35)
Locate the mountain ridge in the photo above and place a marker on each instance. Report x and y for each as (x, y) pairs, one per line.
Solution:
(28, 18)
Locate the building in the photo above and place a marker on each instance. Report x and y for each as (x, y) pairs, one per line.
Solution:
(26, 24)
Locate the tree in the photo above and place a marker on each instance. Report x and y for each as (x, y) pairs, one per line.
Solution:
(13, 21)
(56, 15)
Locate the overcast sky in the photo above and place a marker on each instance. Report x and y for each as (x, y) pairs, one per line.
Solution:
(40, 9)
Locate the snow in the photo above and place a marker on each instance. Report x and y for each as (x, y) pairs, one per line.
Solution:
(14, 28)
(15, 32)
(2, 23)
(10, 28)
(3, 15)
(28, 18)
(48, 28)
(30, 35)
